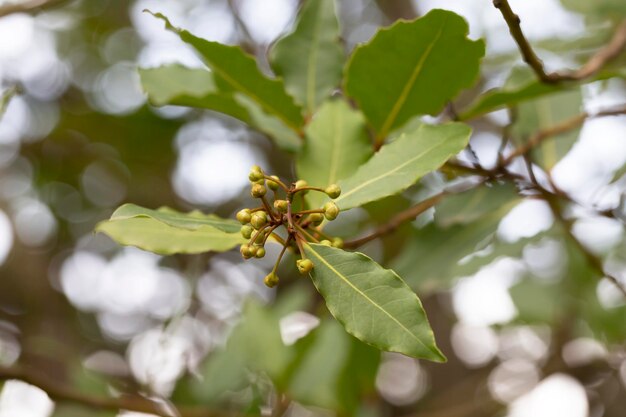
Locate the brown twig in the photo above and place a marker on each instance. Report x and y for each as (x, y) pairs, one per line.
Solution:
(136, 403)
(396, 221)
(565, 126)
(607, 53)
(28, 6)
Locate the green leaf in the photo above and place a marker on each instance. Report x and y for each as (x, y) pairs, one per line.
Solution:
(236, 71)
(544, 113)
(510, 95)
(614, 8)
(317, 378)
(166, 231)
(399, 164)
(310, 59)
(258, 340)
(430, 259)
(412, 68)
(474, 204)
(373, 304)
(192, 220)
(181, 86)
(337, 143)
(521, 86)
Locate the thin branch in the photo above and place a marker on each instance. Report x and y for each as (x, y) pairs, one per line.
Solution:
(563, 127)
(135, 403)
(607, 53)
(28, 6)
(396, 221)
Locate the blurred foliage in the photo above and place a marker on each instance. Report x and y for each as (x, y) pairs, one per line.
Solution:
(81, 151)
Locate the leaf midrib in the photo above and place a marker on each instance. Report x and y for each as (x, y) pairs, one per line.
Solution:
(404, 94)
(221, 72)
(378, 178)
(345, 279)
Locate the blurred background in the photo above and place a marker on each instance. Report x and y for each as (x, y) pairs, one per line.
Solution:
(78, 139)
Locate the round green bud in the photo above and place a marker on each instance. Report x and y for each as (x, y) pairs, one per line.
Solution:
(244, 216)
(281, 205)
(316, 218)
(258, 190)
(273, 184)
(246, 251)
(246, 231)
(271, 280)
(331, 211)
(333, 191)
(256, 173)
(302, 184)
(304, 266)
(337, 242)
(259, 219)
(326, 242)
(260, 252)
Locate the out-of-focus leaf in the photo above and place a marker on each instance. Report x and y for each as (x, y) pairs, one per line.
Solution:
(317, 379)
(236, 71)
(543, 113)
(372, 303)
(310, 59)
(178, 85)
(257, 339)
(430, 258)
(152, 235)
(464, 224)
(195, 87)
(537, 302)
(337, 143)
(192, 220)
(399, 164)
(6, 97)
(412, 68)
(523, 86)
(613, 8)
(469, 206)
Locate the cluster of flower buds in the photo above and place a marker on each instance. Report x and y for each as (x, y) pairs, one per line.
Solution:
(289, 213)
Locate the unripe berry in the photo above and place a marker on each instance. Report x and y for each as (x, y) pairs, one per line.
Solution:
(326, 242)
(304, 266)
(246, 251)
(281, 205)
(273, 184)
(338, 242)
(244, 216)
(333, 191)
(259, 219)
(258, 190)
(271, 280)
(256, 173)
(331, 211)
(316, 218)
(302, 184)
(253, 250)
(260, 252)
(246, 231)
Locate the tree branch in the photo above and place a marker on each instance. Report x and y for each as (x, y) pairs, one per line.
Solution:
(565, 126)
(607, 53)
(396, 221)
(27, 6)
(128, 402)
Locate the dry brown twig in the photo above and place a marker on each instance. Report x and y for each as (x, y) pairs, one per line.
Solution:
(610, 51)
